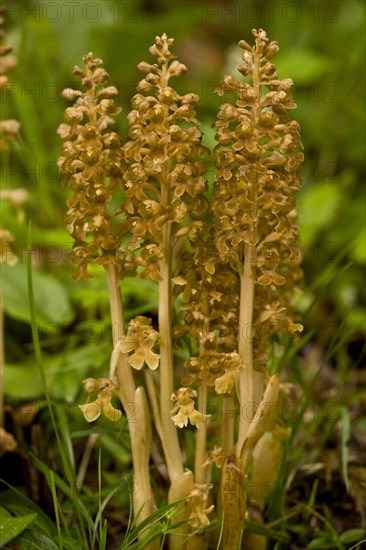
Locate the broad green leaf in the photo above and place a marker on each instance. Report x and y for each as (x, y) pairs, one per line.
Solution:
(23, 382)
(352, 535)
(41, 523)
(67, 371)
(51, 300)
(318, 206)
(4, 515)
(33, 540)
(64, 374)
(11, 527)
(17, 502)
(320, 544)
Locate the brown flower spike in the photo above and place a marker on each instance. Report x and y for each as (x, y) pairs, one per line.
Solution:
(257, 159)
(91, 162)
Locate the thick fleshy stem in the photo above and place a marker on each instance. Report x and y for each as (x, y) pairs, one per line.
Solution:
(139, 423)
(169, 430)
(201, 471)
(247, 282)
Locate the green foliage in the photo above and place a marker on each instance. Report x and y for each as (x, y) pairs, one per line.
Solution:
(10, 526)
(52, 302)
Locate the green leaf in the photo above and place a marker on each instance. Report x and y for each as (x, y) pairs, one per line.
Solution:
(318, 206)
(33, 540)
(265, 531)
(148, 523)
(64, 373)
(352, 535)
(359, 247)
(39, 523)
(4, 514)
(11, 527)
(23, 381)
(17, 502)
(70, 544)
(320, 543)
(51, 300)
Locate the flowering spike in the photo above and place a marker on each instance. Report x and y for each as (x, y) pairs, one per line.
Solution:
(91, 163)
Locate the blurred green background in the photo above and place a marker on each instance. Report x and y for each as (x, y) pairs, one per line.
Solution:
(321, 49)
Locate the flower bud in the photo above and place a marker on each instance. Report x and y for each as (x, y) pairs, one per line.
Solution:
(152, 78)
(71, 94)
(146, 67)
(100, 76)
(109, 92)
(78, 72)
(272, 50)
(144, 86)
(154, 50)
(247, 57)
(190, 99)
(176, 68)
(244, 69)
(269, 69)
(245, 46)
(74, 114)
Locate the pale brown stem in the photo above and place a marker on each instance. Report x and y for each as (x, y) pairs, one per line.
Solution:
(245, 348)
(125, 376)
(169, 430)
(247, 381)
(236, 471)
(227, 444)
(200, 470)
(233, 503)
(227, 425)
(141, 439)
(154, 402)
(140, 423)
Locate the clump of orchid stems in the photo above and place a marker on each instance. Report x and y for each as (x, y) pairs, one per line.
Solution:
(234, 276)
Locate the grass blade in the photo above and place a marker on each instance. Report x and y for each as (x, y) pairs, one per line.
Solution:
(55, 505)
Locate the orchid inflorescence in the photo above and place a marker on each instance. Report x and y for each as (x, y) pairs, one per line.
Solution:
(234, 277)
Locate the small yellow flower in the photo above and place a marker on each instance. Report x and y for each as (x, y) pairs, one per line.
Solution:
(141, 338)
(295, 327)
(198, 502)
(225, 383)
(105, 389)
(185, 410)
(216, 455)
